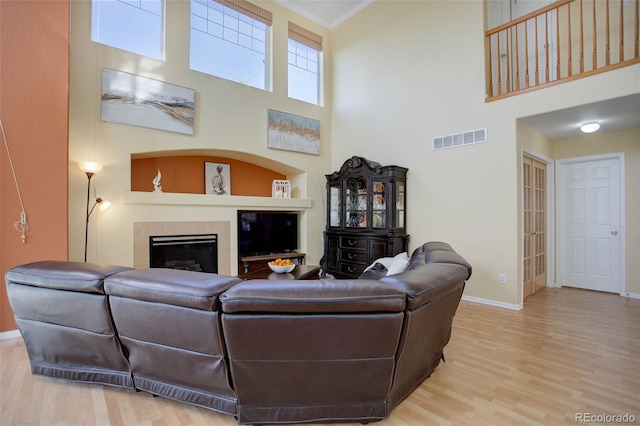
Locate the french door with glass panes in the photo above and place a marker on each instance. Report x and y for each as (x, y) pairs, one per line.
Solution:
(534, 206)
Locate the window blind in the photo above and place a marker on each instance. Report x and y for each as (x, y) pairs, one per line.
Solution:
(249, 9)
(304, 36)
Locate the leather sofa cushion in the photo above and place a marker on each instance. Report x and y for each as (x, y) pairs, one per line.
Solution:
(62, 275)
(312, 296)
(172, 286)
(428, 282)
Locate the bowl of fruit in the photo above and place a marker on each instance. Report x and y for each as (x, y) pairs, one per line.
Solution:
(282, 265)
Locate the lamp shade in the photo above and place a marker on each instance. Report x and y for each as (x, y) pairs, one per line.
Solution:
(90, 166)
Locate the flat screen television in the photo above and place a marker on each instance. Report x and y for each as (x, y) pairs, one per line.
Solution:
(267, 232)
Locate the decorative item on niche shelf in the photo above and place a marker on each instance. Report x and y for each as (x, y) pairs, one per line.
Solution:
(217, 178)
(156, 182)
(293, 132)
(281, 189)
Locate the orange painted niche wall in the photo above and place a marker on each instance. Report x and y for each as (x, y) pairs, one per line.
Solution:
(185, 174)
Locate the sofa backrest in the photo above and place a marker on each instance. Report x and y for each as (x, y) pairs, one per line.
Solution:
(303, 351)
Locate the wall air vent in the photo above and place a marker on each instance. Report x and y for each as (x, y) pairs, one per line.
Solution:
(460, 139)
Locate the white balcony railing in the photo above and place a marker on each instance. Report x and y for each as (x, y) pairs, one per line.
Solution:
(563, 41)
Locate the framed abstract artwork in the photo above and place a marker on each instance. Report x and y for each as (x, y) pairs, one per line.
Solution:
(293, 133)
(145, 102)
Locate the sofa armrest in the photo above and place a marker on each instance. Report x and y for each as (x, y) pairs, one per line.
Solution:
(437, 252)
(428, 282)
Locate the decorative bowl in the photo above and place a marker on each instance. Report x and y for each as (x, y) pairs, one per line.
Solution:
(281, 269)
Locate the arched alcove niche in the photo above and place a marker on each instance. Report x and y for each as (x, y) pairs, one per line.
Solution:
(183, 178)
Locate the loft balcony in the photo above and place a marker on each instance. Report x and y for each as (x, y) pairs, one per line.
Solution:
(563, 41)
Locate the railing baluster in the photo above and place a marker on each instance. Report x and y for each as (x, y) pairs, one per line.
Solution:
(569, 40)
(621, 24)
(581, 39)
(594, 65)
(499, 67)
(637, 26)
(607, 57)
(490, 88)
(518, 75)
(546, 47)
(537, 70)
(507, 62)
(557, 44)
(526, 53)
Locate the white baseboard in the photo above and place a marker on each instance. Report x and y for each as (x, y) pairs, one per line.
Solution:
(9, 334)
(631, 295)
(493, 303)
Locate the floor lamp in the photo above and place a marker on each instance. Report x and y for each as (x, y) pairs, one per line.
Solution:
(90, 168)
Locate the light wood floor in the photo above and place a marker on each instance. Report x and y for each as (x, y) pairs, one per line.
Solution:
(568, 351)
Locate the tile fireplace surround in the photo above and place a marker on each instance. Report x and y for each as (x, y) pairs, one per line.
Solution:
(143, 230)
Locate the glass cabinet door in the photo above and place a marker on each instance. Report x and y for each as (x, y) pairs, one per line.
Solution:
(356, 203)
(334, 206)
(378, 205)
(399, 204)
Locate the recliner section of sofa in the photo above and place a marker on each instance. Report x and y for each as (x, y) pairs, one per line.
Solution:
(64, 317)
(264, 351)
(169, 322)
(312, 352)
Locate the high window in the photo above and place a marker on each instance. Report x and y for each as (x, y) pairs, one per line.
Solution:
(305, 49)
(133, 25)
(230, 39)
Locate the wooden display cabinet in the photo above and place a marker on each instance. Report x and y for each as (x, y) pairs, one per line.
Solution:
(366, 216)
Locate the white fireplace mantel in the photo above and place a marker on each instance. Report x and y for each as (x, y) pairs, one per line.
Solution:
(178, 199)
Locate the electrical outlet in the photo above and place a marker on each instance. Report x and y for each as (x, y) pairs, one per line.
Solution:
(503, 278)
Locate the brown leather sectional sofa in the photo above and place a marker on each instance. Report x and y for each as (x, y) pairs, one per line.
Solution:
(264, 351)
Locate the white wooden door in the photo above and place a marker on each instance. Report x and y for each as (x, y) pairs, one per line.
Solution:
(590, 206)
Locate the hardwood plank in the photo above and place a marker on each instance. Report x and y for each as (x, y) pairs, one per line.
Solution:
(568, 351)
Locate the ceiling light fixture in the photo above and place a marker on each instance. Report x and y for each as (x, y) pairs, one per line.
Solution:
(590, 127)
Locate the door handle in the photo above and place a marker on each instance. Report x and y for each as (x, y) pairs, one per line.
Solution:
(614, 232)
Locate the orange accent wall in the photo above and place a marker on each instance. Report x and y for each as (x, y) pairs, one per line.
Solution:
(34, 108)
(185, 174)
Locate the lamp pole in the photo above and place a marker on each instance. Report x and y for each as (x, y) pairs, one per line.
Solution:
(90, 168)
(86, 228)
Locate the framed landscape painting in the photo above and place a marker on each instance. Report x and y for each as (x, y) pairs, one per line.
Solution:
(145, 102)
(293, 133)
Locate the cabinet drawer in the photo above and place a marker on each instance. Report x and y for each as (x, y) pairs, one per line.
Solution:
(354, 256)
(351, 269)
(349, 242)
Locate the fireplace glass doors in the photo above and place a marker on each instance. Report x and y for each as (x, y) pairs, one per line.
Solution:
(197, 253)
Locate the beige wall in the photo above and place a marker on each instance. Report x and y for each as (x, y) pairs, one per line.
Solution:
(231, 121)
(406, 72)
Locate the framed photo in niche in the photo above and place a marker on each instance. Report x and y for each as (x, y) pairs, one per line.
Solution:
(217, 178)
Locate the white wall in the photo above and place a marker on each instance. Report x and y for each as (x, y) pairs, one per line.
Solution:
(231, 119)
(407, 71)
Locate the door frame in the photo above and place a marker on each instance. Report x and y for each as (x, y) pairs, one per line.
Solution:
(551, 215)
(562, 253)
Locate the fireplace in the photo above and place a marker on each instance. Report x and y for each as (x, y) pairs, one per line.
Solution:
(188, 252)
